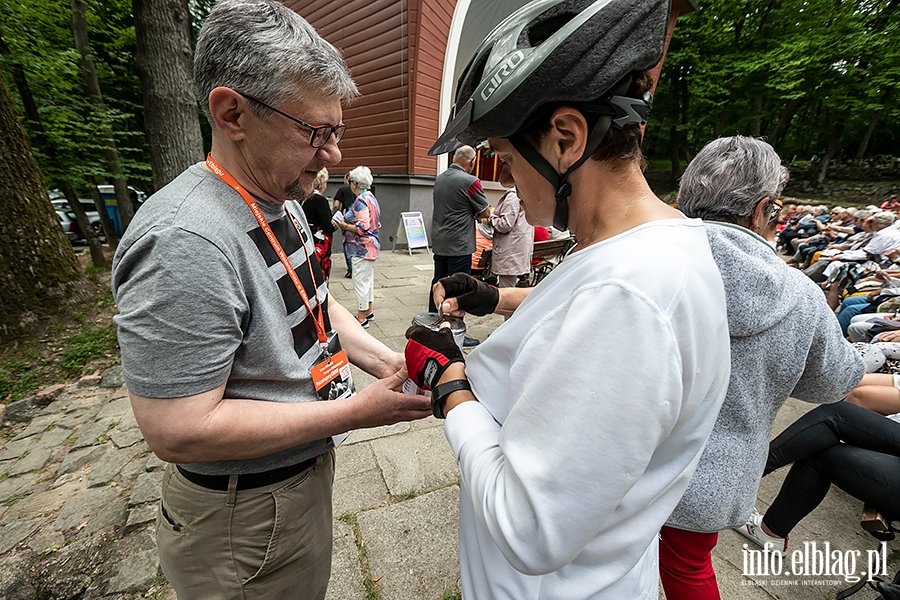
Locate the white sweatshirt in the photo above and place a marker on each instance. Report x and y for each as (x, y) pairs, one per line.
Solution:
(595, 401)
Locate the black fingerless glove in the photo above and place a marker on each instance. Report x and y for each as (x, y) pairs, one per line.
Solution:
(428, 354)
(474, 296)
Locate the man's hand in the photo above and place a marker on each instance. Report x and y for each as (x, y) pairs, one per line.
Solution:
(461, 293)
(429, 353)
(384, 404)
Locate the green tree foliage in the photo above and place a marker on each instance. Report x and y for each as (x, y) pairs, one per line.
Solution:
(807, 74)
(37, 39)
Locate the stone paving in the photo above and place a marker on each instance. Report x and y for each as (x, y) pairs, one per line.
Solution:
(79, 489)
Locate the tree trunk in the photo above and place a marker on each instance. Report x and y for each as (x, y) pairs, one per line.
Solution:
(674, 142)
(870, 131)
(684, 107)
(38, 268)
(755, 122)
(109, 229)
(90, 236)
(873, 123)
(31, 113)
(92, 84)
(784, 121)
(165, 61)
(834, 142)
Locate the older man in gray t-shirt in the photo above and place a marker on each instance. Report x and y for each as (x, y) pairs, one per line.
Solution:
(458, 200)
(236, 358)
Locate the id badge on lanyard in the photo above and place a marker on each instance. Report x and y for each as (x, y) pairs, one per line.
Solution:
(331, 376)
(330, 373)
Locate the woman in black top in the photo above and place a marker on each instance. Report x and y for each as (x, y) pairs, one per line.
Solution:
(343, 198)
(318, 214)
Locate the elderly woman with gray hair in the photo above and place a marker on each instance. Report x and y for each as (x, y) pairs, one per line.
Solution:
(733, 184)
(361, 223)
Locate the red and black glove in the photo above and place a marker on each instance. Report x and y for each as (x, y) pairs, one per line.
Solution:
(474, 296)
(429, 353)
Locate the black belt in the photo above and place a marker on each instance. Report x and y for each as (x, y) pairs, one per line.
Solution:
(249, 480)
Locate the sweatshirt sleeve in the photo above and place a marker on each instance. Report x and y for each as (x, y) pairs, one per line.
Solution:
(602, 389)
(833, 367)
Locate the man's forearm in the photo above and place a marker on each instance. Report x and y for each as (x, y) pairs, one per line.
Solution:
(205, 427)
(363, 350)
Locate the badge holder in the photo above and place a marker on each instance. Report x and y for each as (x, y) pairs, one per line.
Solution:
(331, 376)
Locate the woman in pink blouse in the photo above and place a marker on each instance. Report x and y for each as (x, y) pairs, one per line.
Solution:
(361, 223)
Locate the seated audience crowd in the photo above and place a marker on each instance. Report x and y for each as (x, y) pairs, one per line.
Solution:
(854, 256)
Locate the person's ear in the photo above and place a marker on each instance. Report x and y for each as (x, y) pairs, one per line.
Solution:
(567, 137)
(760, 217)
(229, 111)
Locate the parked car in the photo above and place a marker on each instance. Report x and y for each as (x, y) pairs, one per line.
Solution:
(68, 221)
(108, 196)
(69, 225)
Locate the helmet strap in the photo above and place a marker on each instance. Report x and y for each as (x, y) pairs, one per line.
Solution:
(562, 188)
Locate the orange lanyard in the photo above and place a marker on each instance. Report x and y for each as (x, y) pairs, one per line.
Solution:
(276, 246)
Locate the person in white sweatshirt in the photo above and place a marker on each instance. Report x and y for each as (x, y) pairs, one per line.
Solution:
(578, 423)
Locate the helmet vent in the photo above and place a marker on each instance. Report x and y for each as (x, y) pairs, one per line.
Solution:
(544, 27)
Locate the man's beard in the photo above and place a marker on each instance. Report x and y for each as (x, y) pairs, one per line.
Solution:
(296, 192)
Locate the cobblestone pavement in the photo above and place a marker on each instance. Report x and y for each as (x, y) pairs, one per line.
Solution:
(79, 488)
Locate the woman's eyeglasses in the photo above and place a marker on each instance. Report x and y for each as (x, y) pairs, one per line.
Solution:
(318, 136)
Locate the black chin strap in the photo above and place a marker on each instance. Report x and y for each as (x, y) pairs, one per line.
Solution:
(559, 182)
(615, 109)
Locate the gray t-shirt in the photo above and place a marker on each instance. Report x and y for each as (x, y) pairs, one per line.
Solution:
(458, 197)
(203, 300)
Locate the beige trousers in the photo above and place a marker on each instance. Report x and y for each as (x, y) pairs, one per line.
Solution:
(271, 542)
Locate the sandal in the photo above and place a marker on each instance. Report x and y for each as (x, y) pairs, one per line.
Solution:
(872, 520)
(876, 524)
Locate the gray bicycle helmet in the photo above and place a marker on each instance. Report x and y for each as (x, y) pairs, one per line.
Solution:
(572, 51)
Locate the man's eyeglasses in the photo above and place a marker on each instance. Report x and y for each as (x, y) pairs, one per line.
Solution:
(318, 136)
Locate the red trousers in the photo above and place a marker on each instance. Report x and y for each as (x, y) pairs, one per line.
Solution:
(685, 564)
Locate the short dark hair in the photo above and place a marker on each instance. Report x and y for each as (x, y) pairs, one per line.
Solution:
(619, 144)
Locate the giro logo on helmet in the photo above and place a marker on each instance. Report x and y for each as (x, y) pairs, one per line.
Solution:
(502, 73)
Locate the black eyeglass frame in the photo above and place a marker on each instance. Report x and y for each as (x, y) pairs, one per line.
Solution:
(315, 132)
(775, 209)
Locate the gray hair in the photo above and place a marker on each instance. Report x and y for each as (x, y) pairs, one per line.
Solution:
(728, 177)
(464, 153)
(362, 176)
(266, 50)
(884, 218)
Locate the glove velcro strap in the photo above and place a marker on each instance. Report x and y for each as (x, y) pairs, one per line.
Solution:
(433, 363)
(440, 392)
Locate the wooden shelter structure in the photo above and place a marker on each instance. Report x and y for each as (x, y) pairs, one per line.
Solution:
(406, 56)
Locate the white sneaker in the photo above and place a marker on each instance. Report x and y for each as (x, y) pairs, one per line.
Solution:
(753, 531)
